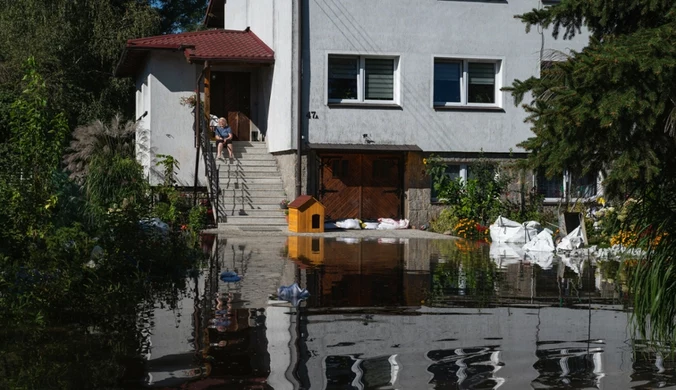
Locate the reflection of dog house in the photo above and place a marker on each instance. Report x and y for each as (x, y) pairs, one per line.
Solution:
(306, 215)
(310, 249)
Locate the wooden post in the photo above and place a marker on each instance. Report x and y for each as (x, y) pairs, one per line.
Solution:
(207, 93)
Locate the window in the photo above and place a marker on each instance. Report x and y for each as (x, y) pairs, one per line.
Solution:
(556, 187)
(466, 82)
(453, 172)
(362, 79)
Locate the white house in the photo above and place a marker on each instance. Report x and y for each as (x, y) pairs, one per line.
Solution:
(363, 90)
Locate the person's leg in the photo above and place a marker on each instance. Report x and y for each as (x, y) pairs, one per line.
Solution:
(219, 150)
(232, 154)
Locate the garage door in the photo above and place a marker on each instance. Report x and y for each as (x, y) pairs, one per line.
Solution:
(365, 186)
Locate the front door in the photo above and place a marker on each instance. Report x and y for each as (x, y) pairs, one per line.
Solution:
(365, 186)
(231, 98)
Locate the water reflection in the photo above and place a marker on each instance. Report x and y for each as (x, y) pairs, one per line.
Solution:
(400, 314)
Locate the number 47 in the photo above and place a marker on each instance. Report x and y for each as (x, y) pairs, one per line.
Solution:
(312, 115)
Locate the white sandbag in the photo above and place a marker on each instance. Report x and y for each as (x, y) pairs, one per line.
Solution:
(349, 224)
(544, 260)
(387, 226)
(504, 254)
(391, 224)
(540, 243)
(370, 225)
(573, 240)
(506, 230)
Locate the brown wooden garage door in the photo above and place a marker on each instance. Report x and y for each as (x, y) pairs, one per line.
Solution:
(365, 186)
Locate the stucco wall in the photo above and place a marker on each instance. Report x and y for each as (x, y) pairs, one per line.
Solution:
(418, 31)
(171, 124)
(272, 22)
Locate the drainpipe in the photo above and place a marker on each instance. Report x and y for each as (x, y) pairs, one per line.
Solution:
(299, 135)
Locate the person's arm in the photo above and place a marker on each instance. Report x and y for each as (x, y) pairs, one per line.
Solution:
(229, 134)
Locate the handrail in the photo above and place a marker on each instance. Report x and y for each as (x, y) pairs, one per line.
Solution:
(211, 169)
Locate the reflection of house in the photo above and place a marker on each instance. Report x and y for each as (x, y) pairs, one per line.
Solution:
(358, 273)
(356, 87)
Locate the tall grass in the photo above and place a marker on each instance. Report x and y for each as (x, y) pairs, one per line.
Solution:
(653, 281)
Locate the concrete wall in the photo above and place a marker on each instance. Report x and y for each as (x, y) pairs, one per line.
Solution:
(417, 31)
(273, 22)
(170, 124)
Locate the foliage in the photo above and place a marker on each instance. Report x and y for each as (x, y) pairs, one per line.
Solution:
(77, 46)
(71, 288)
(477, 199)
(466, 268)
(611, 108)
(95, 139)
(29, 163)
(529, 208)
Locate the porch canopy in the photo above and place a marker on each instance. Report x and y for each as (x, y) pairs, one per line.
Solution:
(215, 46)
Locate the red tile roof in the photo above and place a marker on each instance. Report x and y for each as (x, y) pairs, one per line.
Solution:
(213, 45)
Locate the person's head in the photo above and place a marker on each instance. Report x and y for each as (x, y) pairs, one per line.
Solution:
(222, 122)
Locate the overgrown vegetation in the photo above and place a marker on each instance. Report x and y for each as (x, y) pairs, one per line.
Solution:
(610, 108)
(80, 258)
(474, 203)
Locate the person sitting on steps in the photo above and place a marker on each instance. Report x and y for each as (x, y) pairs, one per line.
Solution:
(223, 137)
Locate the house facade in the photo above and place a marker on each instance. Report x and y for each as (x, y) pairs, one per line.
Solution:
(364, 90)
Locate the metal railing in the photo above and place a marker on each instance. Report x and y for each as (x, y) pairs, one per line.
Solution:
(211, 170)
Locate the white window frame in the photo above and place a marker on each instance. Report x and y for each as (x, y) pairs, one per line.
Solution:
(498, 66)
(565, 177)
(361, 79)
(463, 174)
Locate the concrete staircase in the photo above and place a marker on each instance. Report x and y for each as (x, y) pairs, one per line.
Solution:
(250, 188)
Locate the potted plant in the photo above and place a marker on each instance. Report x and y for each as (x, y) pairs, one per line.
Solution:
(284, 204)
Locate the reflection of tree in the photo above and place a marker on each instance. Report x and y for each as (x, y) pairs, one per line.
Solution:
(466, 269)
(94, 325)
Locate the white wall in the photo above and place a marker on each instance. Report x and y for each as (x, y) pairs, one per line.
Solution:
(418, 31)
(171, 124)
(272, 22)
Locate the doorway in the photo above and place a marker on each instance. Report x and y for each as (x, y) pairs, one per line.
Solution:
(231, 98)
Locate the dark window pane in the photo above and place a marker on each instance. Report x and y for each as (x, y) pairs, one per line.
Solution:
(585, 187)
(447, 82)
(550, 188)
(339, 168)
(452, 173)
(343, 73)
(481, 86)
(379, 79)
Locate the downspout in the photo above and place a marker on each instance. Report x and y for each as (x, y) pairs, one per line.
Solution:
(198, 133)
(299, 132)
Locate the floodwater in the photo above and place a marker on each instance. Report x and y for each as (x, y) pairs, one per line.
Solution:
(400, 314)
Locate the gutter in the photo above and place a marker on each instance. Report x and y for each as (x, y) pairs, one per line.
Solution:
(299, 132)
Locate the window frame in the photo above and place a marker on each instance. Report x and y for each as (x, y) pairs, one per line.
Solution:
(463, 174)
(565, 190)
(361, 79)
(498, 67)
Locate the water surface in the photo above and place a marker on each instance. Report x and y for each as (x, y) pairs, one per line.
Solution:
(400, 314)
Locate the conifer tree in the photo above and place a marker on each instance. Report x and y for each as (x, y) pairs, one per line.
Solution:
(611, 107)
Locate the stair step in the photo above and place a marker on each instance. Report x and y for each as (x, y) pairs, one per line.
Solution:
(243, 163)
(242, 185)
(252, 180)
(230, 212)
(244, 155)
(247, 220)
(251, 207)
(252, 194)
(226, 170)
